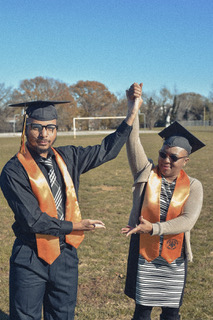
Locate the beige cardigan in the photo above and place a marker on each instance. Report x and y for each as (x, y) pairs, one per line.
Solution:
(141, 166)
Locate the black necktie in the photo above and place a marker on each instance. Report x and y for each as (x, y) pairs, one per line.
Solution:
(55, 187)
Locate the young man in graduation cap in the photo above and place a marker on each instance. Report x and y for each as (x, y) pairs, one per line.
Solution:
(41, 186)
(166, 205)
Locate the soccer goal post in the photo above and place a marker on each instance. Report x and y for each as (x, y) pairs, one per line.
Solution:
(91, 118)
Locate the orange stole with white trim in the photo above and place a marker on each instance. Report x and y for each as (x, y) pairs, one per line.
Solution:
(172, 244)
(48, 246)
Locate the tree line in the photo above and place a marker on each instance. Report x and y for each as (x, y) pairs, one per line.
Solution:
(93, 99)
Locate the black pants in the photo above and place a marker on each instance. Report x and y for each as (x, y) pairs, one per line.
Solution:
(144, 313)
(34, 283)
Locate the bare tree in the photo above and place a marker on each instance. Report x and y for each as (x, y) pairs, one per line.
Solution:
(165, 103)
(210, 106)
(5, 97)
(188, 106)
(151, 109)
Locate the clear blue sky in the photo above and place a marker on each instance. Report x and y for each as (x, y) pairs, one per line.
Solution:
(116, 42)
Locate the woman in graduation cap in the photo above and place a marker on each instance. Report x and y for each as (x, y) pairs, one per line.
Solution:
(166, 205)
(41, 186)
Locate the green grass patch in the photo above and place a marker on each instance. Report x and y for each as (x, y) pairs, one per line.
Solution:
(105, 193)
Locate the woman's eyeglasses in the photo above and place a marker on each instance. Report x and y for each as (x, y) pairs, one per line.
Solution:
(173, 157)
(38, 127)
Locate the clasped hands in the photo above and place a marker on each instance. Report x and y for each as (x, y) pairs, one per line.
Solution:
(134, 92)
(134, 100)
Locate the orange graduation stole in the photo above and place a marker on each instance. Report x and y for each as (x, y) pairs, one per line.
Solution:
(48, 246)
(172, 244)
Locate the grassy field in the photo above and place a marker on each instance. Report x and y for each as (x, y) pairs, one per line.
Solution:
(105, 193)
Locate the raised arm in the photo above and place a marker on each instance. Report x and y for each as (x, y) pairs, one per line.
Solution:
(135, 152)
(139, 164)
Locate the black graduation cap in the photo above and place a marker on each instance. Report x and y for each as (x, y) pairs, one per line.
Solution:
(176, 135)
(40, 110)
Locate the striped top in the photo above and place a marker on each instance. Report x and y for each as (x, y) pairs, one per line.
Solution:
(167, 190)
(158, 282)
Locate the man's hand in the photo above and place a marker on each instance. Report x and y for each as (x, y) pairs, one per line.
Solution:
(88, 225)
(134, 102)
(144, 227)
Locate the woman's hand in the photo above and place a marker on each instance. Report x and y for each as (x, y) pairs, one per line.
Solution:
(144, 227)
(126, 230)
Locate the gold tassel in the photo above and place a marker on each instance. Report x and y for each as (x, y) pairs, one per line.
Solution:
(22, 147)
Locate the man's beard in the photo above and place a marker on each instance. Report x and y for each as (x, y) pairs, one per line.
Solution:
(40, 151)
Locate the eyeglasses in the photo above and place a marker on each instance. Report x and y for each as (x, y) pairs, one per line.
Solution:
(36, 127)
(173, 157)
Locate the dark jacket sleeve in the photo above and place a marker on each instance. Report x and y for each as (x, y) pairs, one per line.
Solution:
(81, 159)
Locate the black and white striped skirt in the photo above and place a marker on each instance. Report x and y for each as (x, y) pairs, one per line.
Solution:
(160, 283)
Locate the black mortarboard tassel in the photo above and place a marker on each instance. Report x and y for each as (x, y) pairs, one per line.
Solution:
(176, 135)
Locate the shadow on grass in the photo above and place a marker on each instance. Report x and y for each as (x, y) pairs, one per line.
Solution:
(3, 316)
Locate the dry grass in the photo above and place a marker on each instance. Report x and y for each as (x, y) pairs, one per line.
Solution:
(105, 193)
